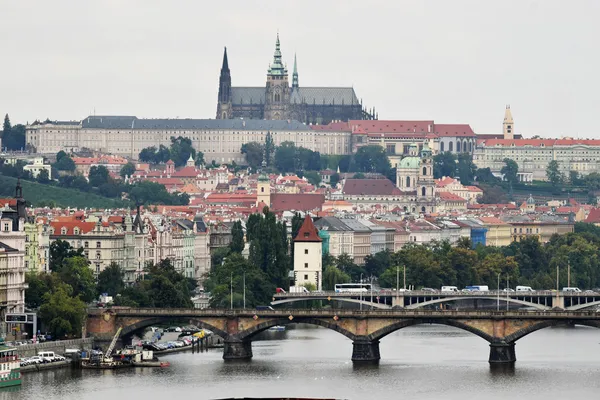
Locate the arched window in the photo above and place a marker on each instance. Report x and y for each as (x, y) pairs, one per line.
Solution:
(262, 189)
(423, 191)
(470, 147)
(277, 97)
(224, 115)
(464, 146)
(424, 170)
(408, 181)
(422, 209)
(405, 209)
(442, 147)
(458, 146)
(451, 146)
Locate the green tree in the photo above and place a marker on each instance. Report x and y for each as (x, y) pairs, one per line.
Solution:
(286, 157)
(60, 155)
(335, 178)
(313, 177)
(444, 164)
(487, 270)
(466, 169)
(181, 150)
(62, 313)
(346, 264)
(358, 175)
(553, 173)
(148, 154)
(485, 175)
(76, 273)
(38, 285)
(127, 170)
(43, 177)
(332, 276)
(111, 280)
(60, 250)
(254, 152)
(237, 237)
(492, 195)
(269, 148)
(376, 264)
(510, 171)
(6, 127)
(66, 163)
(199, 160)
(218, 256)
(98, 175)
(371, 159)
(574, 178)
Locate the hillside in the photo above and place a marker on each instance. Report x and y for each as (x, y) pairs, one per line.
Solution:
(36, 194)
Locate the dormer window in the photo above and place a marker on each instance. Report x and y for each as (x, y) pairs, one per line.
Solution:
(306, 234)
(63, 231)
(76, 231)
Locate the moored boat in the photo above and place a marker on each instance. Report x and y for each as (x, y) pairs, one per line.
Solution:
(10, 367)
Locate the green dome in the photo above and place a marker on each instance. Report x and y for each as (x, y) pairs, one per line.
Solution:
(410, 162)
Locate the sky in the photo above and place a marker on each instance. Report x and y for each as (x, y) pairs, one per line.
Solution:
(458, 61)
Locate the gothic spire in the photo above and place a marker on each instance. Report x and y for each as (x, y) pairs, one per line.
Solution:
(225, 66)
(295, 74)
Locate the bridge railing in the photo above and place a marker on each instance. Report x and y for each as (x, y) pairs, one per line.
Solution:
(536, 293)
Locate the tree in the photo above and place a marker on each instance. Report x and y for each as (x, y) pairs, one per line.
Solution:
(199, 160)
(254, 154)
(574, 178)
(269, 148)
(38, 286)
(237, 237)
(60, 250)
(510, 171)
(358, 175)
(60, 155)
(313, 177)
(334, 179)
(76, 273)
(285, 157)
(13, 137)
(66, 163)
(346, 264)
(466, 169)
(485, 175)
(98, 175)
(110, 280)
(6, 127)
(371, 159)
(375, 264)
(444, 164)
(147, 154)
(127, 170)
(181, 149)
(553, 173)
(43, 177)
(62, 313)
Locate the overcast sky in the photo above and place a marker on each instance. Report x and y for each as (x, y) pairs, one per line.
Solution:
(453, 61)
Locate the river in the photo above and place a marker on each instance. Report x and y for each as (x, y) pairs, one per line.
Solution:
(422, 362)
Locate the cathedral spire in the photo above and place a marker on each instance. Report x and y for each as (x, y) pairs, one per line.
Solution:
(225, 66)
(295, 74)
(223, 105)
(277, 67)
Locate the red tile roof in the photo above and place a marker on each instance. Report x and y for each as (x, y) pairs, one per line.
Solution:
(84, 227)
(370, 187)
(383, 126)
(307, 232)
(594, 216)
(297, 202)
(9, 201)
(454, 130)
(447, 196)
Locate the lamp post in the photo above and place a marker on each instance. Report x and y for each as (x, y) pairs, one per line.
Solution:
(361, 296)
(372, 292)
(507, 290)
(231, 291)
(498, 294)
(244, 289)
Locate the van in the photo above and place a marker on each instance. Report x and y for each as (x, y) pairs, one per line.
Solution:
(571, 289)
(525, 289)
(478, 288)
(47, 356)
(449, 289)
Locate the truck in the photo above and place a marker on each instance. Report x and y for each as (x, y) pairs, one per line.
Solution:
(298, 289)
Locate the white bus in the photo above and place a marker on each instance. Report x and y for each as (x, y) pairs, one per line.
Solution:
(352, 287)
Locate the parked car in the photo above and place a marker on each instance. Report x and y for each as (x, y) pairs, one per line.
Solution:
(36, 360)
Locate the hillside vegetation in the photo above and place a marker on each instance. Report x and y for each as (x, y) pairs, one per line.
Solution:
(37, 194)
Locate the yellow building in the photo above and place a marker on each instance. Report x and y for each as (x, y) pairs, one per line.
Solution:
(498, 232)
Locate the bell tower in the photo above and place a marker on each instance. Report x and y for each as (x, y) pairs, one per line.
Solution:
(224, 108)
(508, 126)
(277, 95)
(425, 181)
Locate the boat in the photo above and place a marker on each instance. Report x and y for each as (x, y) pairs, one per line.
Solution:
(10, 367)
(277, 328)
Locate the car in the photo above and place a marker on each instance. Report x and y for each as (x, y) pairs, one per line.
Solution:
(428, 289)
(508, 290)
(58, 357)
(588, 291)
(36, 360)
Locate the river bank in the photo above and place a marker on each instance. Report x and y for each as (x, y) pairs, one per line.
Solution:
(45, 367)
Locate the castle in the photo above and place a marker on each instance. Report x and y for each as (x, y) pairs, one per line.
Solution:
(277, 100)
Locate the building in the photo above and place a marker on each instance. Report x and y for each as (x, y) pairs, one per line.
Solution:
(38, 166)
(341, 236)
(280, 100)
(534, 155)
(37, 246)
(12, 258)
(307, 255)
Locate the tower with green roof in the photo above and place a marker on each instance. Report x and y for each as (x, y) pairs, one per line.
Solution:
(277, 96)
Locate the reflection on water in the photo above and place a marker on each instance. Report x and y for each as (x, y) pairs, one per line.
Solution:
(421, 362)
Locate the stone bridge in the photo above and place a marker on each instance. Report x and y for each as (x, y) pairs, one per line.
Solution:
(365, 328)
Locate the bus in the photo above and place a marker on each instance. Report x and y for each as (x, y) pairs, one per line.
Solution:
(352, 287)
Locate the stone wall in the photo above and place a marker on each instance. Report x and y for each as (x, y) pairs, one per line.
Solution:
(58, 346)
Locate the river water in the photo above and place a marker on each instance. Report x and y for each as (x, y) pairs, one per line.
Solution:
(422, 362)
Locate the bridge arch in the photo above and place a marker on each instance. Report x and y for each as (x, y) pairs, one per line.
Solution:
(144, 323)
(583, 306)
(383, 332)
(502, 299)
(263, 326)
(344, 299)
(548, 323)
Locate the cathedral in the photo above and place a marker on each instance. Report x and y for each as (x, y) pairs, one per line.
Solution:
(278, 100)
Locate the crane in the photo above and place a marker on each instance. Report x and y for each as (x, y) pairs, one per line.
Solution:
(112, 345)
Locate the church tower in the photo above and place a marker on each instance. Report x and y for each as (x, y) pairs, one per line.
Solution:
(295, 75)
(277, 95)
(425, 181)
(508, 126)
(263, 186)
(224, 108)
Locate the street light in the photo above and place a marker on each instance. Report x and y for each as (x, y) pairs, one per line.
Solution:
(231, 291)
(361, 292)
(498, 294)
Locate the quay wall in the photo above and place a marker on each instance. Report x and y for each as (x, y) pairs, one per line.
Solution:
(58, 346)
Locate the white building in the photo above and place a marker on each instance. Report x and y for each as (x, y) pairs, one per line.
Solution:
(307, 255)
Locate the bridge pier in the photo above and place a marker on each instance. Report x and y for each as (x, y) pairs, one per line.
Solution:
(365, 351)
(502, 353)
(237, 349)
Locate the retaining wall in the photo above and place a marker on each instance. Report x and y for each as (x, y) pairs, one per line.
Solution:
(58, 346)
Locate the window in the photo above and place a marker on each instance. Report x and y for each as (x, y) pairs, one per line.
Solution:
(442, 147)
(86, 244)
(423, 191)
(98, 245)
(305, 277)
(262, 189)
(26, 264)
(424, 170)
(408, 181)
(305, 265)
(306, 234)
(305, 251)
(63, 231)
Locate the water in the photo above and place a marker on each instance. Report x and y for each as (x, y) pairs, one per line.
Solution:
(422, 362)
